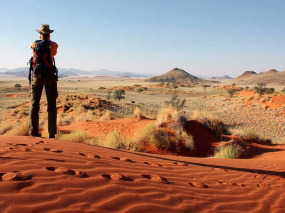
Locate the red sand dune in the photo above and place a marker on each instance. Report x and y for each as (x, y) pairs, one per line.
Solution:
(246, 93)
(280, 100)
(126, 127)
(47, 175)
(275, 101)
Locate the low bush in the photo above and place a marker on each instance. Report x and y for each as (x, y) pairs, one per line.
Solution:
(138, 113)
(107, 116)
(158, 137)
(5, 127)
(229, 151)
(75, 136)
(20, 129)
(113, 140)
(187, 140)
(250, 134)
(211, 121)
(139, 90)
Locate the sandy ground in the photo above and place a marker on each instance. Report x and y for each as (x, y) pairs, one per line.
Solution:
(126, 127)
(47, 175)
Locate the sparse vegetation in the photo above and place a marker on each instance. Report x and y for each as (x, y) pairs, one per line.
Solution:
(187, 140)
(261, 89)
(211, 121)
(109, 92)
(205, 86)
(18, 86)
(231, 92)
(5, 127)
(113, 140)
(139, 90)
(75, 136)
(250, 134)
(138, 113)
(107, 116)
(118, 94)
(228, 151)
(176, 102)
(157, 137)
(21, 129)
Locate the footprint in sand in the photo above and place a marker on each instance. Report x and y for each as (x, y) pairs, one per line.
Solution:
(117, 176)
(181, 164)
(15, 175)
(260, 177)
(21, 144)
(225, 183)
(90, 155)
(123, 159)
(63, 170)
(153, 164)
(41, 142)
(53, 150)
(198, 185)
(156, 178)
(20, 149)
(263, 185)
(220, 170)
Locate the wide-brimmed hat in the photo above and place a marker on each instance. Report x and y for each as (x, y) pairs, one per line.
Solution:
(44, 29)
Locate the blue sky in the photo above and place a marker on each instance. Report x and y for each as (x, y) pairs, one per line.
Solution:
(201, 37)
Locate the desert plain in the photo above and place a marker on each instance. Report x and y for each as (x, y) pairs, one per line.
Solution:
(163, 147)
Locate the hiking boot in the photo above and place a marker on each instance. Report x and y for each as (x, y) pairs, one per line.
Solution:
(52, 136)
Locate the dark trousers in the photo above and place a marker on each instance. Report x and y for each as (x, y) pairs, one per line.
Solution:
(51, 94)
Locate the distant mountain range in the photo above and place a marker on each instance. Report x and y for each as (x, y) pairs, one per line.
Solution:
(224, 77)
(63, 72)
(269, 77)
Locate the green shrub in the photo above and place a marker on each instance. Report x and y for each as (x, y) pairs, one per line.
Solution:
(118, 94)
(231, 92)
(140, 90)
(175, 102)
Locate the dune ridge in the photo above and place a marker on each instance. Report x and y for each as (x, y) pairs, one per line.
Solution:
(48, 175)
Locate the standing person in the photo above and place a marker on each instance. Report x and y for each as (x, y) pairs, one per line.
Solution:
(44, 74)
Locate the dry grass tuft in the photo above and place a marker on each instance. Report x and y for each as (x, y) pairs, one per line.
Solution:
(107, 116)
(138, 113)
(5, 127)
(187, 140)
(75, 136)
(157, 137)
(278, 141)
(21, 129)
(167, 113)
(113, 140)
(229, 151)
(250, 134)
(211, 121)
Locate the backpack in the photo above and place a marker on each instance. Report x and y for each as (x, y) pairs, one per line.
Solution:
(43, 66)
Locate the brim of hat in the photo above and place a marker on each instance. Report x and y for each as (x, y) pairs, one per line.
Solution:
(45, 32)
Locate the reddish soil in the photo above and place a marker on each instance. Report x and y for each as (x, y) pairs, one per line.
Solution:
(126, 127)
(47, 175)
(248, 93)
